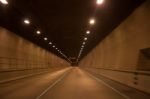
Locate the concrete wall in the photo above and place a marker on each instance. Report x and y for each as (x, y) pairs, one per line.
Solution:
(121, 48)
(17, 53)
(119, 56)
(136, 79)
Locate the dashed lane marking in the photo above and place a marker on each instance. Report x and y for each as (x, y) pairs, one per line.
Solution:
(57, 81)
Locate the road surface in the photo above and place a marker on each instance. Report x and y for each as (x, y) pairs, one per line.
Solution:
(68, 83)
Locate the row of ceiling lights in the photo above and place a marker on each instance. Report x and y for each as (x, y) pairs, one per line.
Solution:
(38, 32)
(91, 22)
(26, 21)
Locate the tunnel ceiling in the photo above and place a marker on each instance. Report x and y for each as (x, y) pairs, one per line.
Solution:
(65, 22)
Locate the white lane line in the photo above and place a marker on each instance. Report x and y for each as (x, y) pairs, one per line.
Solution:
(125, 96)
(46, 90)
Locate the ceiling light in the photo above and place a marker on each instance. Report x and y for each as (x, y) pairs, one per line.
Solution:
(50, 43)
(53, 46)
(26, 21)
(83, 43)
(92, 21)
(85, 38)
(87, 32)
(99, 2)
(4, 2)
(56, 48)
(38, 32)
(82, 46)
(45, 39)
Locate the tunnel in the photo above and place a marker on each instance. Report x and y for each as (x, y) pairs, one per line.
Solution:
(74, 49)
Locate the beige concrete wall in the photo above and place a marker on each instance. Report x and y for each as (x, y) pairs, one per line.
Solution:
(136, 79)
(119, 57)
(121, 48)
(17, 53)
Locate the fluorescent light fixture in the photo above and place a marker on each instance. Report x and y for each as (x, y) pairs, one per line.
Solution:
(92, 21)
(88, 32)
(38, 32)
(5, 2)
(98, 2)
(45, 38)
(50, 43)
(82, 46)
(85, 38)
(26, 21)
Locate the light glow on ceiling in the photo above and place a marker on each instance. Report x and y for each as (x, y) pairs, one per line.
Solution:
(45, 39)
(88, 32)
(99, 2)
(50, 43)
(92, 21)
(38, 32)
(85, 38)
(26, 21)
(5, 2)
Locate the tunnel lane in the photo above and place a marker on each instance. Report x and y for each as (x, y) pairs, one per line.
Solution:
(31, 87)
(80, 85)
(68, 83)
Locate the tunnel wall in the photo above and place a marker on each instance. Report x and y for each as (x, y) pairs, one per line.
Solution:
(20, 56)
(119, 55)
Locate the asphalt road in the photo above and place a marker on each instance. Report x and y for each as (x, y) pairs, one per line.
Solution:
(31, 87)
(69, 83)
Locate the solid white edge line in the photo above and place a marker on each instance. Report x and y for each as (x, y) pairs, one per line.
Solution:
(47, 89)
(98, 79)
